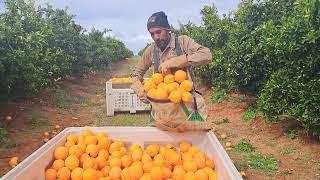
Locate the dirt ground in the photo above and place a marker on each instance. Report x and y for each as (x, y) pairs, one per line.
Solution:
(80, 101)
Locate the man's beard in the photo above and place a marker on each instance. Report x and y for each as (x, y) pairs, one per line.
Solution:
(162, 44)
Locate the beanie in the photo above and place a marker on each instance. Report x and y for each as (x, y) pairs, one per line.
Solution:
(158, 19)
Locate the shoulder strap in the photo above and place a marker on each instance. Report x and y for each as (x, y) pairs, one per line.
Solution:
(156, 56)
(156, 60)
(178, 47)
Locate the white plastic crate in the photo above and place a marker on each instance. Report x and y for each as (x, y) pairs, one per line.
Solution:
(33, 167)
(120, 98)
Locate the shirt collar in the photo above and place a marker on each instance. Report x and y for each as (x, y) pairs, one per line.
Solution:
(171, 44)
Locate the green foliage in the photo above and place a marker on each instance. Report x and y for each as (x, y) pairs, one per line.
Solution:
(243, 146)
(249, 114)
(3, 134)
(41, 45)
(269, 48)
(218, 95)
(263, 162)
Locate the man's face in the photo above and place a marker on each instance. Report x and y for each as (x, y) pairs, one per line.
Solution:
(160, 36)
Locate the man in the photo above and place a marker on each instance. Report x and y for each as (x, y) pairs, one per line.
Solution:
(162, 54)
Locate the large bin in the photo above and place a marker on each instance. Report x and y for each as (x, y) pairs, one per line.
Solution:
(121, 98)
(33, 167)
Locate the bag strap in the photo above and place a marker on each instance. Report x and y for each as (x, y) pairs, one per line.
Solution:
(156, 55)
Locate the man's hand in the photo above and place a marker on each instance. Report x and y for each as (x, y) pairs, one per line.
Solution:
(138, 89)
(175, 62)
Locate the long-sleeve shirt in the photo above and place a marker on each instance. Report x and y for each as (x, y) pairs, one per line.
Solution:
(196, 54)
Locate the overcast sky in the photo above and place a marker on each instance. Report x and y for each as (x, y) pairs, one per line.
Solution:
(127, 18)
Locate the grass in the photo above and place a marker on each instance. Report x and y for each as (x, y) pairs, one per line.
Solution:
(292, 133)
(243, 146)
(287, 150)
(262, 162)
(219, 95)
(224, 120)
(62, 99)
(37, 120)
(3, 135)
(88, 102)
(249, 114)
(123, 119)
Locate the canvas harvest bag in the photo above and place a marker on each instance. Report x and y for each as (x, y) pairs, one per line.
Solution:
(171, 116)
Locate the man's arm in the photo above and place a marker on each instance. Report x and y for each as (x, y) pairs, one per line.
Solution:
(197, 54)
(143, 64)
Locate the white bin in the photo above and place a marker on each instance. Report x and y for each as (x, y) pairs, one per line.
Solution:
(33, 167)
(121, 98)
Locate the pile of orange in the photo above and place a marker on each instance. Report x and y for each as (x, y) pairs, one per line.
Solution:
(121, 80)
(92, 156)
(175, 87)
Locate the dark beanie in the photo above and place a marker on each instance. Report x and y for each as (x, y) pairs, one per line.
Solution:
(158, 19)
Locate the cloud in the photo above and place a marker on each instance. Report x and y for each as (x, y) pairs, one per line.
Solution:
(127, 18)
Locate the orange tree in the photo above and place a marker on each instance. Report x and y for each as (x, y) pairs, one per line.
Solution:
(268, 48)
(39, 45)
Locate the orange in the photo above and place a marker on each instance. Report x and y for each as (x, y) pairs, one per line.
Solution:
(146, 176)
(125, 173)
(87, 132)
(72, 137)
(116, 154)
(61, 152)
(194, 149)
(105, 170)
(77, 174)
(152, 93)
(51, 174)
(114, 147)
(92, 150)
(190, 176)
(146, 158)
(101, 161)
(213, 176)
(147, 166)
(180, 76)
(200, 160)
(102, 134)
(186, 85)
(208, 170)
(126, 161)
(175, 97)
(157, 78)
(174, 157)
(123, 150)
(90, 174)
(186, 97)
(64, 173)
(172, 87)
(133, 147)
(115, 162)
(83, 158)
(115, 172)
(104, 143)
(190, 166)
(187, 156)
(135, 170)
(178, 173)
(201, 174)
(184, 146)
(75, 150)
(166, 172)
(57, 164)
(209, 163)
(90, 163)
(90, 140)
(149, 85)
(152, 150)
(156, 173)
(136, 155)
(81, 139)
(162, 94)
(169, 78)
(104, 153)
(68, 144)
(72, 162)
